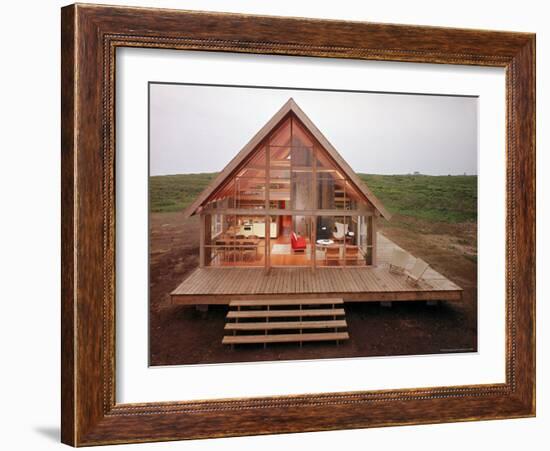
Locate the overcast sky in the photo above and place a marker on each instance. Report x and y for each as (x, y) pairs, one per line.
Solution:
(200, 128)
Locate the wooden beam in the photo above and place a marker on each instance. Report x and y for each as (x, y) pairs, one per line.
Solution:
(283, 212)
(367, 296)
(371, 240)
(202, 235)
(292, 201)
(286, 325)
(285, 338)
(294, 313)
(279, 302)
(267, 241)
(374, 220)
(207, 239)
(267, 251)
(345, 237)
(313, 243)
(313, 219)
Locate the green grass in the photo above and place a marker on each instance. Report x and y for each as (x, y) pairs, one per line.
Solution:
(432, 198)
(168, 193)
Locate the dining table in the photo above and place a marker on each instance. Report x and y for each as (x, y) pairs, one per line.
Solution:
(237, 245)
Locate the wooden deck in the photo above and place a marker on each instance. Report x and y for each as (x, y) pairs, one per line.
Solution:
(211, 285)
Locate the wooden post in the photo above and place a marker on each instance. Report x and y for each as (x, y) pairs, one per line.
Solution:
(374, 240)
(267, 241)
(207, 240)
(370, 249)
(202, 236)
(345, 222)
(292, 186)
(313, 243)
(371, 239)
(314, 207)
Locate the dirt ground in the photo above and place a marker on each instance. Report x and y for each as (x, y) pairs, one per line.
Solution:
(183, 335)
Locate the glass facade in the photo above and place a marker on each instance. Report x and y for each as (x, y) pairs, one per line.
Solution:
(292, 184)
(342, 241)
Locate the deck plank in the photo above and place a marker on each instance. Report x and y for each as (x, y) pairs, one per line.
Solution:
(285, 338)
(273, 302)
(281, 325)
(285, 313)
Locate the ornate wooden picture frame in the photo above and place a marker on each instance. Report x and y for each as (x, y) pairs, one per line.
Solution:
(90, 37)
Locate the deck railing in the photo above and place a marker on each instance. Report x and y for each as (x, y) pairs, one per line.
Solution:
(249, 255)
(221, 254)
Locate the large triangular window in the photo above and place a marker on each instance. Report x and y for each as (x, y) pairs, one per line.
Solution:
(288, 170)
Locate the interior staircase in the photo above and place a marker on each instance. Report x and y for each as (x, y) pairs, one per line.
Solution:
(285, 321)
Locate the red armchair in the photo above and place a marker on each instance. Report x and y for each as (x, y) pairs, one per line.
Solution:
(297, 242)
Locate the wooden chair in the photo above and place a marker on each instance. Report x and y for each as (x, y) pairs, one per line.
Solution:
(250, 252)
(415, 274)
(221, 249)
(352, 254)
(230, 252)
(398, 261)
(239, 250)
(332, 254)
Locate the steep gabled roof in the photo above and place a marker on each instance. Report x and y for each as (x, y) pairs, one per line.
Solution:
(289, 106)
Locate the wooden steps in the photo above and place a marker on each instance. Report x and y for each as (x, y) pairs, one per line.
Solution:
(285, 313)
(287, 325)
(284, 338)
(308, 319)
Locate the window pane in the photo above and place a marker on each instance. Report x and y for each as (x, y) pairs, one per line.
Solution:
(300, 136)
(225, 197)
(302, 157)
(281, 137)
(325, 165)
(279, 191)
(257, 162)
(340, 201)
(279, 161)
(302, 190)
(250, 193)
(325, 192)
(337, 241)
(352, 196)
(240, 243)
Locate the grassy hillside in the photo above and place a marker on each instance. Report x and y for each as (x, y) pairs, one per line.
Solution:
(433, 198)
(175, 192)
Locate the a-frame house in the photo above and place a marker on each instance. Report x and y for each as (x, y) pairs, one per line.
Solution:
(285, 205)
(288, 198)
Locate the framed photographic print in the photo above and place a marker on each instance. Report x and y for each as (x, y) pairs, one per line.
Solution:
(279, 224)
